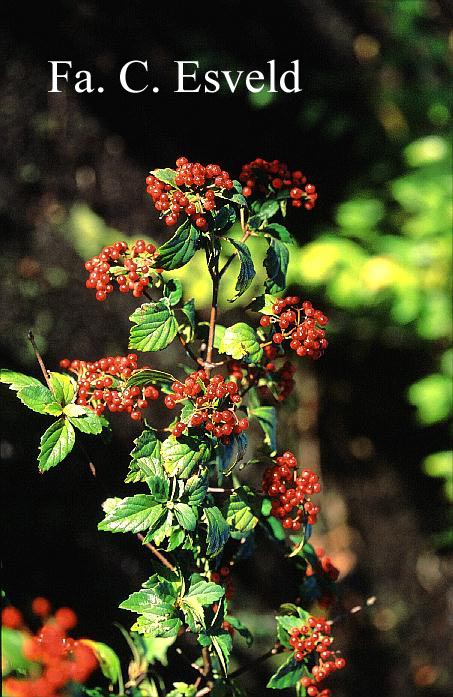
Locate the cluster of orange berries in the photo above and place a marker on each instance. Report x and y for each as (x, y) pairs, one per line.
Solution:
(102, 384)
(299, 325)
(130, 267)
(56, 659)
(314, 639)
(196, 197)
(290, 492)
(261, 177)
(214, 401)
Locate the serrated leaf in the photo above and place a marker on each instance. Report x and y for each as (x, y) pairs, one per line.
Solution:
(267, 419)
(173, 291)
(17, 380)
(206, 592)
(40, 399)
(165, 175)
(181, 456)
(239, 513)
(159, 486)
(218, 530)
(241, 341)
(176, 539)
(185, 516)
(276, 265)
(224, 218)
(268, 209)
(223, 645)
(63, 387)
(109, 662)
(132, 514)
(280, 232)
(56, 443)
(195, 490)
(147, 376)
(180, 248)
(288, 674)
(146, 460)
(246, 269)
(155, 327)
(88, 422)
(161, 628)
(74, 410)
(241, 629)
(159, 601)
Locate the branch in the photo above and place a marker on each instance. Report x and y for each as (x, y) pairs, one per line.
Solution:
(44, 371)
(156, 553)
(278, 648)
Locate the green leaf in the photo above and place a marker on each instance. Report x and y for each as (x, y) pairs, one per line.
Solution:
(181, 456)
(224, 218)
(239, 514)
(182, 689)
(241, 341)
(159, 486)
(146, 461)
(173, 291)
(241, 629)
(235, 195)
(13, 658)
(147, 376)
(180, 248)
(176, 539)
(159, 601)
(218, 530)
(156, 327)
(56, 443)
(132, 514)
(286, 622)
(288, 674)
(88, 422)
(206, 592)
(185, 516)
(280, 232)
(74, 410)
(267, 419)
(109, 662)
(166, 175)
(156, 649)
(63, 387)
(246, 269)
(268, 209)
(223, 645)
(17, 380)
(196, 489)
(40, 399)
(162, 628)
(263, 303)
(276, 265)
(189, 310)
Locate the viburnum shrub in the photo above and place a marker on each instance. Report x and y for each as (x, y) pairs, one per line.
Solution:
(191, 509)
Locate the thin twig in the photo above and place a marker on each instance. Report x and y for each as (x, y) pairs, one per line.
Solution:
(156, 553)
(278, 648)
(44, 371)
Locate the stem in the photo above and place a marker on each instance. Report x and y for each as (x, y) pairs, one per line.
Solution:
(44, 371)
(212, 319)
(157, 554)
(207, 666)
(278, 648)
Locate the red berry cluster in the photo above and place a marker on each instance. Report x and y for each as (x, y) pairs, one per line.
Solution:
(57, 660)
(102, 384)
(300, 324)
(214, 401)
(272, 382)
(314, 639)
(130, 267)
(196, 197)
(262, 178)
(290, 492)
(223, 577)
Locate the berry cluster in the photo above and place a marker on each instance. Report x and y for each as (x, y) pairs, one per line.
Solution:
(272, 382)
(223, 577)
(290, 492)
(314, 639)
(299, 324)
(214, 401)
(56, 659)
(194, 195)
(103, 384)
(262, 178)
(131, 267)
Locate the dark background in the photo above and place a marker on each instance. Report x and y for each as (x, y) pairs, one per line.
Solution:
(386, 528)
